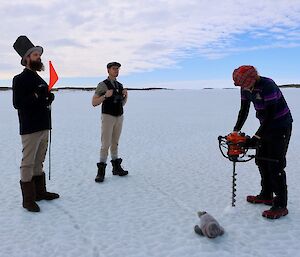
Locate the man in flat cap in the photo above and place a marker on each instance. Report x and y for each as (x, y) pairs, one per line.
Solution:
(32, 100)
(111, 94)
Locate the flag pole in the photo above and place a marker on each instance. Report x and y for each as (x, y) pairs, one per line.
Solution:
(50, 139)
(52, 81)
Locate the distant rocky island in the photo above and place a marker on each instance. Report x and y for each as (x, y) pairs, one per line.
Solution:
(5, 88)
(291, 85)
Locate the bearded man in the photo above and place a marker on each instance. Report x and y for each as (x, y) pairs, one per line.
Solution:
(32, 100)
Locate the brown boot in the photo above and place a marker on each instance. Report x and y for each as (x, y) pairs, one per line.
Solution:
(28, 193)
(40, 188)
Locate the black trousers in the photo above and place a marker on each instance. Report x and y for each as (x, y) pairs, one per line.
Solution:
(271, 161)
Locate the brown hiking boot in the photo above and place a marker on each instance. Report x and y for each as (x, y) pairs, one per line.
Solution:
(28, 193)
(259, 199)
(40, 189)
(275, 212)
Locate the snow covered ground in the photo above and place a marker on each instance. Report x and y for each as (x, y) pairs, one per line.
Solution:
(169, 145)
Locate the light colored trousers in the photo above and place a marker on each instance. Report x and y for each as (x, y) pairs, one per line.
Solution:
(111, 128)
(34, 153)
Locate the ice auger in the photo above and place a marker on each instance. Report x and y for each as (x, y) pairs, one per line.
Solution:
(233, 147)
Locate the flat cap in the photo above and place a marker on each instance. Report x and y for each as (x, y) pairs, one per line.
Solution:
(109, 65)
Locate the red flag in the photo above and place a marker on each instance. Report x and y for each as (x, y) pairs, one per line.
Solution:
(53, 76)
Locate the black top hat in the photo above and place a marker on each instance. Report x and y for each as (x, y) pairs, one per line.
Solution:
(109, 65)
(24, 47)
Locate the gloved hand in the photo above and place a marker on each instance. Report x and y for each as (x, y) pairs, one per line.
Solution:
(41, 92)
(50, 98)
(252, 142)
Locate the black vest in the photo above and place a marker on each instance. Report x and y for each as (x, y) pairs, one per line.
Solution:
(113, 105)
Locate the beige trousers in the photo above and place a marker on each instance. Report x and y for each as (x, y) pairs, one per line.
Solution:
(111, 128)
(34, 153)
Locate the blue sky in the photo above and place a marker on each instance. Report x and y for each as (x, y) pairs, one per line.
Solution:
(174, 44)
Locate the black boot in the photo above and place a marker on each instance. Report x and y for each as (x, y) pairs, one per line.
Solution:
(40, 189)
(117, 169)
(28, 193)
(101, 172)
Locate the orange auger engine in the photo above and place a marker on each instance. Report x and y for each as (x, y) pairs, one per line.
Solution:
(234, 148)
(235, 144)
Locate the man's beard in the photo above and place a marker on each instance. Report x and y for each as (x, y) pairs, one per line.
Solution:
(36, 65)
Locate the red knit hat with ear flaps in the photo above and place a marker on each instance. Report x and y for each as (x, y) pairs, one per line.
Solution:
(244, 76)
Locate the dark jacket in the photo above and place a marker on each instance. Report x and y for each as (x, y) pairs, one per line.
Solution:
(34, 113)
(270, 105)
(113, 105)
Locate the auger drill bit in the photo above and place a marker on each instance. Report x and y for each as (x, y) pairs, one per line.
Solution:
(233, 185)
